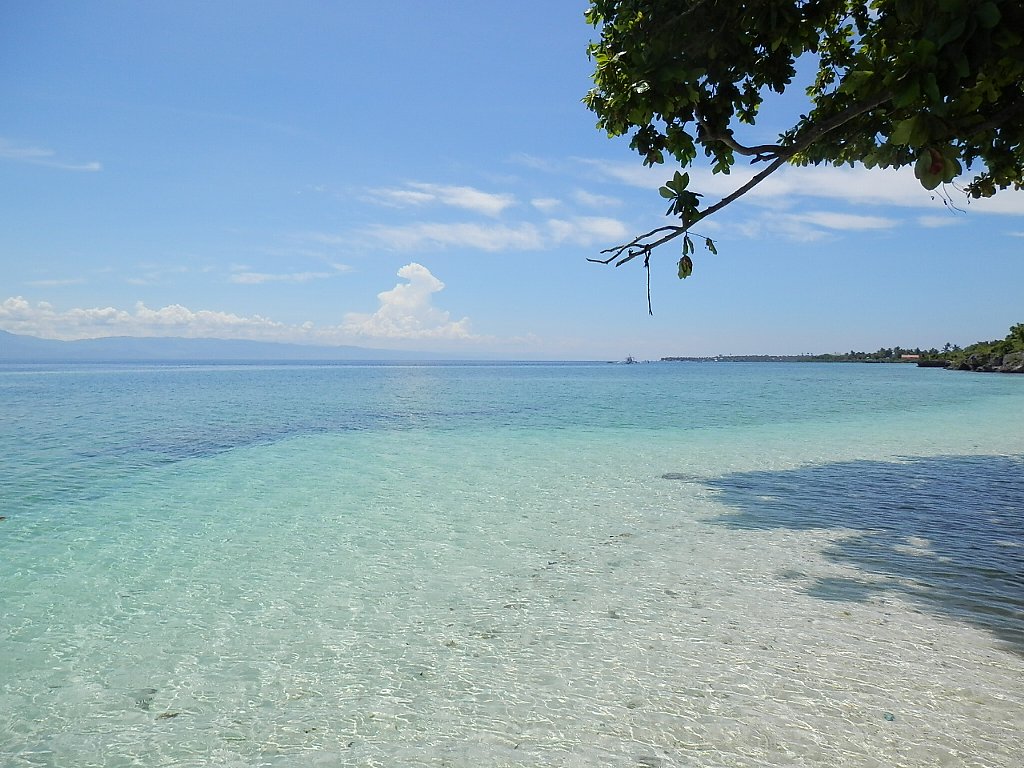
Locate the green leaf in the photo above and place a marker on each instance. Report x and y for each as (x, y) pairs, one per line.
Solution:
(908, 95)
(988, 15)
(685, 267)
(963, 66)
(667, 193)
(902, 131)
(924, 162)
(912, 132)
(855, 80)
(711, 245)
(951, 168)
(931, 180)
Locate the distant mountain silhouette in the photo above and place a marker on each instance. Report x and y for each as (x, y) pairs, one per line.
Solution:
(20, 348)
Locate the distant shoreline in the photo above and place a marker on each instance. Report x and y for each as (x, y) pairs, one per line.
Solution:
(784, 359)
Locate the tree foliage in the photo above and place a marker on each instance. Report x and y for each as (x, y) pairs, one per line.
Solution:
(936, 84)
(1014, 342)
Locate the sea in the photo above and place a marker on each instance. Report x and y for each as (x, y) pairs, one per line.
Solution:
(511, 564)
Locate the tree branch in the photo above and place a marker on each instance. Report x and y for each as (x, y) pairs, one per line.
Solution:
(836, 121)
(997, 120)
(679, 17)
(641, 245)
(767, 151)
(760, 152)
(637, 243)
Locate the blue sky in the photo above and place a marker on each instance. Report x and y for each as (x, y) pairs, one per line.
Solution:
(416, 175)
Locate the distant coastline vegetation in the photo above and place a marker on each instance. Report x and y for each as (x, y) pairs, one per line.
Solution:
(1004, 355)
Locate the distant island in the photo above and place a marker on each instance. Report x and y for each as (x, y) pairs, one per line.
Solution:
(1002, 356)
(17, 348)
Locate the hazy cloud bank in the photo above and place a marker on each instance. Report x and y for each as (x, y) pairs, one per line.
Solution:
(404, 313)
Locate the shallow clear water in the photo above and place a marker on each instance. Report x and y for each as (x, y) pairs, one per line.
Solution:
(511, 565)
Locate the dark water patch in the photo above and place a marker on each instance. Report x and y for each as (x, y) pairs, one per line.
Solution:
(946, 532)
(683, 477)
(842, 589)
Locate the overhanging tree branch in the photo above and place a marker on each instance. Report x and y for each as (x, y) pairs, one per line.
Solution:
(897, 86)
(782, 154)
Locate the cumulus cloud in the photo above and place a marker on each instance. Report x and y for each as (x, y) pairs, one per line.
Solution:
(41, 156)
(42, 319)
(407, 311)
(404, 313)
(466, 198)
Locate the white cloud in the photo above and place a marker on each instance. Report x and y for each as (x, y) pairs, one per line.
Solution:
(466, 198)
(592, 200)
(788, 227)
(324, 238)
(244, 276)
(934, 222)
(56, 282)
(546, 204)
(807, 227)
(42, 319)
(407, 311)
(631, 174)
(534, 162)
(844, 221)
(256, 278)
(402, 197)
(586, 230)
(857, 185)
(41, 156)
(525, 236)
(438, 235)
(1006, 202)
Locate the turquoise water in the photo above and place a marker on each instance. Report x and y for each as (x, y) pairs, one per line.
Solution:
(511, 565)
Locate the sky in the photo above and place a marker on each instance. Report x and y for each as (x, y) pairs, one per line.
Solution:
(424, 176)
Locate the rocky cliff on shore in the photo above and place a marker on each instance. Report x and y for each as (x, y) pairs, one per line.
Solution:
(1009, 363)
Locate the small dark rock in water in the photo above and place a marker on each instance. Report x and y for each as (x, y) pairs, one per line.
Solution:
(166, 715)
(889, 716)
(145, 698)
(3, 517)
(680, 476)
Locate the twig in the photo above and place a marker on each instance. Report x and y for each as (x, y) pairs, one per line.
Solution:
(638, 245)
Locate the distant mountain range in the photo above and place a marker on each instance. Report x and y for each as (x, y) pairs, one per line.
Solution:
(31, 349)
